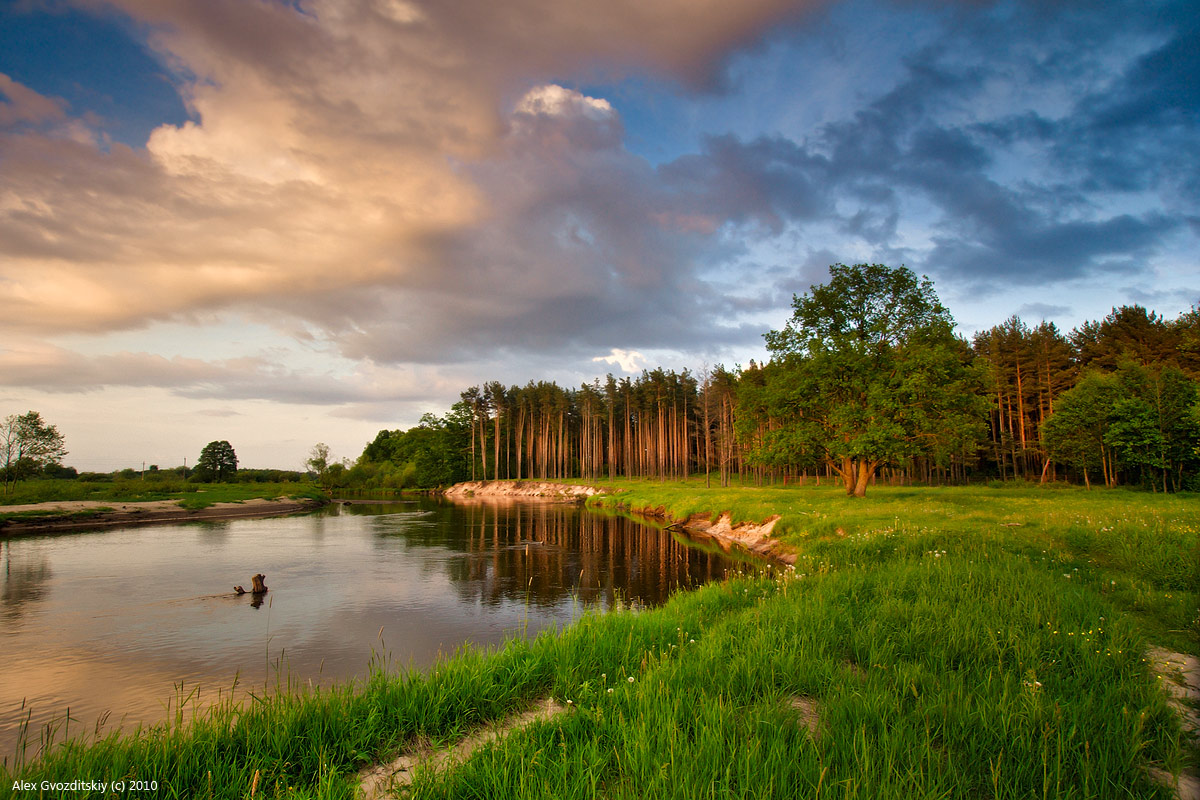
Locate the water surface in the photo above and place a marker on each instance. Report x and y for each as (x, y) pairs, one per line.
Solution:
(121, 621)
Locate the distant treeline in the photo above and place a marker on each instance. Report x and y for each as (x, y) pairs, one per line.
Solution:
(172, 474)
(1113, 402)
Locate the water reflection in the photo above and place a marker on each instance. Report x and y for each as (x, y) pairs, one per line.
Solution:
(430, 575)
(215, 533)
(26, 581)
(541, 554)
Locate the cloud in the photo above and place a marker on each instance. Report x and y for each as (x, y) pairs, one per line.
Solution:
(57, 370)
(1042, 311)
(331, 150)
(418, 182)
(628, 360)
(20, 104)
(556, 101)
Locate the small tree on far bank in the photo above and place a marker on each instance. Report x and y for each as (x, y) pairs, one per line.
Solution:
(217, 463)
(318, 461)
(27, 446)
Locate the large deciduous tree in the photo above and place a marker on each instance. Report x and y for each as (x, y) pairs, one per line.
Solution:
(870, 372)
(28, 445)
(218, 462)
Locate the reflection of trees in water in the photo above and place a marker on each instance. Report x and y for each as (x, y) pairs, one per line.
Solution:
(215, 532)
(544, 553)
(24, 582)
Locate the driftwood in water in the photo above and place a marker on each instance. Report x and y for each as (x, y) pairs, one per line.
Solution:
(257, 587)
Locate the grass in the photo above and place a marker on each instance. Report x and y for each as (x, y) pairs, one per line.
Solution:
(947, 655)
(1141, 551)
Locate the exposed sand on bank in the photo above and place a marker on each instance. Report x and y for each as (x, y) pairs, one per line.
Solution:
(112, 513)
(84, 505)
(754, 537)
(525, 490)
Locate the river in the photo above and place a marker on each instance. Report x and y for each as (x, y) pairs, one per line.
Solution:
(116, 625)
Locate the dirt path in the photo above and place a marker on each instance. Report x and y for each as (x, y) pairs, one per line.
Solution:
(1181, 677)
(383, 780)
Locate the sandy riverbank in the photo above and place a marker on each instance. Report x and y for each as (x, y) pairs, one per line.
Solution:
(755, 538)
(80, 514)
(525, 490)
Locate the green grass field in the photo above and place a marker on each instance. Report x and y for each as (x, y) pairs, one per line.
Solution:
(929, 643)
(1140, 551)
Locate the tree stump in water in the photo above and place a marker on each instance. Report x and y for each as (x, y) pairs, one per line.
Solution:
(256, 587)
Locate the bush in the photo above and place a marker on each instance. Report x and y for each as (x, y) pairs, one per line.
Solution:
(59, 472)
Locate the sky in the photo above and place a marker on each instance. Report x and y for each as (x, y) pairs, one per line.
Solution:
(282, 222)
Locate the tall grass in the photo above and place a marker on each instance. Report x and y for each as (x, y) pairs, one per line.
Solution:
(929, 682)
(945, 654)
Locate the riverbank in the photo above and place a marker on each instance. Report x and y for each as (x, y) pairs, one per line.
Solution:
(70, 515)
(967, 642)
(547, 491)
(748, 536)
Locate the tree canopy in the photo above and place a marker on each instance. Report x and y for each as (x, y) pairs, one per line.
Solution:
(318, 460)
(868, 371)
(218, 462)
(1139, 420)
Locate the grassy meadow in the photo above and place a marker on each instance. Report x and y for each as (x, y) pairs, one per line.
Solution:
(967, 642)
(1140, 551)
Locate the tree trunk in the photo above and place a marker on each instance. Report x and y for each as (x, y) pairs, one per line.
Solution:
(496, 460)
(847, 473)
(866, 469)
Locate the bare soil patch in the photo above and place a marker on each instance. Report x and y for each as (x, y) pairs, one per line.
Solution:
(755, 537)
(382, 780)
(806, 708)
(1181, 678)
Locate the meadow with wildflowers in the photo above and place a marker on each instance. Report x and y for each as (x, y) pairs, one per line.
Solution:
(928, 642)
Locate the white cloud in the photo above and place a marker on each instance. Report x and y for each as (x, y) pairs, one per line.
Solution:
(628, 360)
(554, 100)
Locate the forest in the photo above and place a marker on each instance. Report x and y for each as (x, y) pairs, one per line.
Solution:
(867, 382)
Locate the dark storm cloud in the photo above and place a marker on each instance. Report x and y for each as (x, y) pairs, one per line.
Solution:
(1032, 254)
(767, 182)
(1160, 88)
(1140, 133)
(934, 139)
